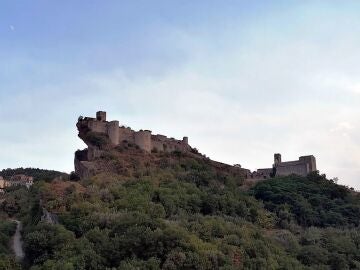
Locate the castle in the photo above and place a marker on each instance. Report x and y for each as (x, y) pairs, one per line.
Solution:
(117, 135)
(143, 139)
(303, 166)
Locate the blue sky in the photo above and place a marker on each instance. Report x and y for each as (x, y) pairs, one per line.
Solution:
(242, 79)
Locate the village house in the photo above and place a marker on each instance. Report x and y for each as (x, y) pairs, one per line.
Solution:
(16, 180)
(2, 184)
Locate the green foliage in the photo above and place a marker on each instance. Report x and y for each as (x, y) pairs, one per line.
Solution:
(8, 263)
(21, 202)
(98, 139)
(337, 248)
(309, 201)
(185, 213)
(7, 229)
(44, 241)
(183, 216)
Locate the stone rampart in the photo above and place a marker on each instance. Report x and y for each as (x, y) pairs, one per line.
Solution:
(113, 132)
(296, 168)
(97, 126)
(143, 138)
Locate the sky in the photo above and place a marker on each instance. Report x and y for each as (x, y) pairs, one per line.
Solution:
(242, 79)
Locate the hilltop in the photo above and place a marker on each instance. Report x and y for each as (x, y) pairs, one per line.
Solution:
(183, 213)
(117, 150)
(106, 139)
(130, 207)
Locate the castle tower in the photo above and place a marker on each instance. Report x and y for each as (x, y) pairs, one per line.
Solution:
(185, 140)
(143, 140)
(113, 132)
(310, 162)
(277, 159)
(101, 116)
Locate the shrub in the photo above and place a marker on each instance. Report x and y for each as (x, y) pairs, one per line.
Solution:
(98, 139)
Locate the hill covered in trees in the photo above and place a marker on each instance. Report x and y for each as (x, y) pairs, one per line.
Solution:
(178, 211)
(38, 174)
(7, 229)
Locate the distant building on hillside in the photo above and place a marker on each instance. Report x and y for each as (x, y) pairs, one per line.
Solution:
(16, 180)
(21, 180)
(2, 184)
(303, 166)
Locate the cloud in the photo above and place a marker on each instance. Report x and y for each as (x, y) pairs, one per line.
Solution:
(246, 101)
(240, 94)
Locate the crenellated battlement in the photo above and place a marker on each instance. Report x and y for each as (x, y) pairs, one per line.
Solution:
(107, 137)
(117, 134)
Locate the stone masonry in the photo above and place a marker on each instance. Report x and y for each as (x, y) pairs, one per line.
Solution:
(142, 138)
(303, 166)
(118, 135)
(148, 142)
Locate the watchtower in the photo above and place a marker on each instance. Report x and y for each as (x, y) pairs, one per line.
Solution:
(113, 132)
(310, 162)
(277, 159)
(143, 139)
(101, 116)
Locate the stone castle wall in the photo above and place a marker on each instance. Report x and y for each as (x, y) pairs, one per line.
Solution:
(143, 138)
(310, 161)
(162, 143)
(97, 126)
(287, 168)
(302, 167)
(264, 173)
(126, 134)
(113, 132)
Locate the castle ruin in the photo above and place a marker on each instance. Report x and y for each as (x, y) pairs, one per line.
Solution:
(303, 166)
(142, 138)
(117, 135)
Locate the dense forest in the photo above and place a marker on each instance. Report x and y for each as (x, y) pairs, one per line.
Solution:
(7, 229)
(185, 214)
